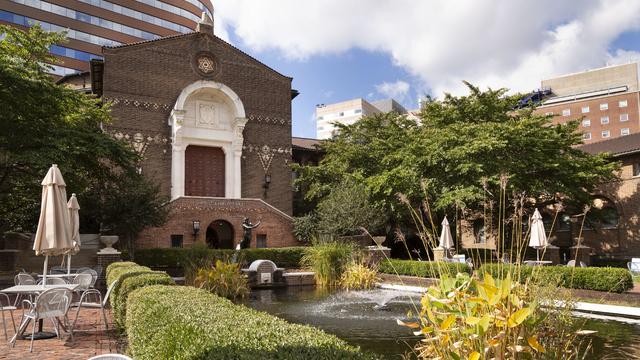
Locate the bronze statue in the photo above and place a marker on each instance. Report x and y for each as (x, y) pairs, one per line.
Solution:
(247, 226)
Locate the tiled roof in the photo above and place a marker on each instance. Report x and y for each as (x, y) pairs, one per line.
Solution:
(305, 143)
(619, 146)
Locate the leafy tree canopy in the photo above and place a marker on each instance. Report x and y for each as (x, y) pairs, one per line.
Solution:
(457, 154)
(42, 123)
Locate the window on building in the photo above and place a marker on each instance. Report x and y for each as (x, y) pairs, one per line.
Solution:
(341, 114)
(604, 120)
(636, 169)
(586, 136)
(176, 241)
(605, 133)
(623, 103)
(566, 112)
(602, 215)
(358, 111)
(320, 117)
(261, 241)
(585, 109)
(549, 113)
(624, 131)
(624, 117)
(586, 123)
(604, 106)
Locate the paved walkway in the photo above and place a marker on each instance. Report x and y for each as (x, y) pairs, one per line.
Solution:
(90, 340)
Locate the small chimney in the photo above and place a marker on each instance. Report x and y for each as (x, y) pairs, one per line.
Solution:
(205, 25)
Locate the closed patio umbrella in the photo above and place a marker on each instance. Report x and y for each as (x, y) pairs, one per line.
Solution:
(538, 238)
(446, 240)
(74, 227)
(53, 236)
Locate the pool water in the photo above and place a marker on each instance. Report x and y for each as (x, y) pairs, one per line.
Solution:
(368, 319)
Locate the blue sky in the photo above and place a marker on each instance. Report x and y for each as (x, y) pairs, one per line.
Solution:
(337, 50)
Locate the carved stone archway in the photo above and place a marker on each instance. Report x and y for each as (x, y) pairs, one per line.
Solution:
(208, 113)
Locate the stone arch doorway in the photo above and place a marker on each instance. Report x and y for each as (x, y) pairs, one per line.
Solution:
(220, 235)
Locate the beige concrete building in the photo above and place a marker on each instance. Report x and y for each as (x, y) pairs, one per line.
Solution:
(348, 112)
(605, 100)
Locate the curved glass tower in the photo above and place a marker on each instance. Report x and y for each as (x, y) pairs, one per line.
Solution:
(91, 24)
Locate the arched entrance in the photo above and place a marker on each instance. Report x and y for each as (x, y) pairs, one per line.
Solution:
(220, 235)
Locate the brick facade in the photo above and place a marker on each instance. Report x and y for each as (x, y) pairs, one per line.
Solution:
(274, 224)
(142, 82)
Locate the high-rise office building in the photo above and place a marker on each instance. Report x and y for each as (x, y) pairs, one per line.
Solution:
(605, 100)
(350, 111)
(91, 24)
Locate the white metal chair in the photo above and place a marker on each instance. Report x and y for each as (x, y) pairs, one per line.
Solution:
(53, 281)
(99, 304)
(634, 266)
(111, 357)
(94, 276)
(10, 309)
(23, 279)
(52, 304)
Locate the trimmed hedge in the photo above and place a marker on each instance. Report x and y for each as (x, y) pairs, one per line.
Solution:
(288, 257)
(182, 322)
(428, 269)
(589, 278)
(115, 273)
(117, 265)
(129, 282)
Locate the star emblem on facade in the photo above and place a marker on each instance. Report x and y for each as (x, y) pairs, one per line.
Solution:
(206, 64)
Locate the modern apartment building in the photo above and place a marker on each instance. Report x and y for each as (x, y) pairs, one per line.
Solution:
(350, 111)
(91, 24)
(605, 100)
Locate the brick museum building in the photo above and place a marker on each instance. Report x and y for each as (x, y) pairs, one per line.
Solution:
(213, 126)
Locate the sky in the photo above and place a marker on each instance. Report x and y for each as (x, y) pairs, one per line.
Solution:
(337, 50)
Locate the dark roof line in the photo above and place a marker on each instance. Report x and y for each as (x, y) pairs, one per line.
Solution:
(171, 37)
(620, 146)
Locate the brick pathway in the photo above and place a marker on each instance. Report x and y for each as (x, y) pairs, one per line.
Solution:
(90, 340)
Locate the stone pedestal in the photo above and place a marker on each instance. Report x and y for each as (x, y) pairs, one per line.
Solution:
(580, 254)
(376, 254)
(105, 260)
(552, 253)
(439, 254)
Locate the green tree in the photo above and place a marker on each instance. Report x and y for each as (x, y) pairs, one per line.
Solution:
(42, 123)
(456, 155)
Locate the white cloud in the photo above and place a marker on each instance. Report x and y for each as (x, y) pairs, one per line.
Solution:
(489, 42)
(397, 90)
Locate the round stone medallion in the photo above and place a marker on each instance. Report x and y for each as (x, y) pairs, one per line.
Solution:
(205, 64)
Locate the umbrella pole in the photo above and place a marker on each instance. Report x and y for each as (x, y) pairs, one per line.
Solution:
(69, 264)
(44, 271)
(538, 254)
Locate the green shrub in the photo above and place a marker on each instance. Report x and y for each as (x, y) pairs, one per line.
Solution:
(199, 256)
(223, 279)
(117, 265)
(427, 269)
(182, 322)
(328, 261)
(358, 276)
(129, 282)
(115, 273)
(589, 278)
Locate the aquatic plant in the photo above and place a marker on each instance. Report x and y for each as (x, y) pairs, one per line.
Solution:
(328, 261)
(358, 276)
(223, 279)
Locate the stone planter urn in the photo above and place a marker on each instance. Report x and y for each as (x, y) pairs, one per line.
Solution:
(108, 241)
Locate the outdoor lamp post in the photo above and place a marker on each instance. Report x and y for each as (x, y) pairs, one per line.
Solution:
(196, 227)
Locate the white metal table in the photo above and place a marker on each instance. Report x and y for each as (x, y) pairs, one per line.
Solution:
(36, 290)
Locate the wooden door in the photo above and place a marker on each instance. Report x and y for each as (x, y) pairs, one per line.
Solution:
(204, 171)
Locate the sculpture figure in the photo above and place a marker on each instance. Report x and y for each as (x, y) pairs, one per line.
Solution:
(247, 226)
